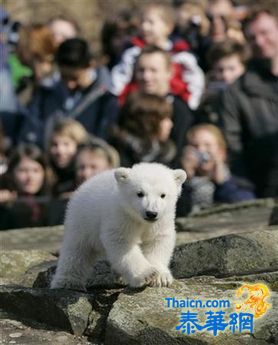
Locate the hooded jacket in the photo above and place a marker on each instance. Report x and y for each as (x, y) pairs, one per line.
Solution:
(187, 81)
(50, 103)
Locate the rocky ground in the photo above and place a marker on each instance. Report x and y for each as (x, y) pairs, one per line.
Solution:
(217, 251)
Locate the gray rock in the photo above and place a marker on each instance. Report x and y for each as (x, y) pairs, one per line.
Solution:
(45, 277)
(65, 310)
(72, 311)
(271, 278)
(45, 239)
(102, 305)
(22, 266)
(273, 219)
(248, 216)
(102, 277)
(142, 317)
(15, 332)
(237, 254)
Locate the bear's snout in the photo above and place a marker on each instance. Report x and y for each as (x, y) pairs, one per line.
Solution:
(151, 216)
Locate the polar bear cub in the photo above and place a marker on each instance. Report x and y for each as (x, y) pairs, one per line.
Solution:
(126, 214)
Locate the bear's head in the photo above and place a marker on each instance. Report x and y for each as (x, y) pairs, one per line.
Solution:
(149, 191)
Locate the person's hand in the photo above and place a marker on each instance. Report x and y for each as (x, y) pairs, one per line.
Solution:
(190, 161)
(218, 173)
(6, 195)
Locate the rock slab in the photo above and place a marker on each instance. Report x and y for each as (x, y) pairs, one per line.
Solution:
(236, 254)
(143, 317)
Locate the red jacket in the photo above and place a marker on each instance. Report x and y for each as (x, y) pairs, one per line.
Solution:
(187, 81)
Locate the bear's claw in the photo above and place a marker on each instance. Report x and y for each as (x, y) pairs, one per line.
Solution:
(162, 279)
(145, 278)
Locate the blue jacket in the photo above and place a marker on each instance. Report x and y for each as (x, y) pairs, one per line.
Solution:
(231, 191)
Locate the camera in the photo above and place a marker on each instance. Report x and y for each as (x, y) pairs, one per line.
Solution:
(203, 157)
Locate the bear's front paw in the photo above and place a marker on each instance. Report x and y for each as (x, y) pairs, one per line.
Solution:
(145, 278)
(164, 278)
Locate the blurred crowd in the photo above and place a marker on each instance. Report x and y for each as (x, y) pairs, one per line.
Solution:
(192, 84)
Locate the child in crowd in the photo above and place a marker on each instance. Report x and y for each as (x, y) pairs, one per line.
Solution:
(93, 158)
(36, 49)
(209, 179)
(157, 23)
(227, 61)
(63, 142)
(28, 171)
(144, 128)
(27, 181)
(80, 94)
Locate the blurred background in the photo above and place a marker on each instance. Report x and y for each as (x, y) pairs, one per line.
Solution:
(90, 14)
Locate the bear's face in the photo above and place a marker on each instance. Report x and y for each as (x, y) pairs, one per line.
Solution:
(149, 190)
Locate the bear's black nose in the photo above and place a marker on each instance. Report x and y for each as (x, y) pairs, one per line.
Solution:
(151, 215)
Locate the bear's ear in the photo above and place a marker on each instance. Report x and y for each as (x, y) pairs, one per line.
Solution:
(121, 174)
(180, 176)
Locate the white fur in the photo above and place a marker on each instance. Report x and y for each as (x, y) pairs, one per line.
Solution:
(106, 216)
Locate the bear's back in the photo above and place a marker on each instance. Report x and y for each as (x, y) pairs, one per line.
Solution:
(94, 194)
(97, 187)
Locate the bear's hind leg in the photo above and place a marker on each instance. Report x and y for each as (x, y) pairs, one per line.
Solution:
(74, 267)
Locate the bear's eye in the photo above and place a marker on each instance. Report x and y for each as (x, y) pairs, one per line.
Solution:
(162, 196)
(140, 194)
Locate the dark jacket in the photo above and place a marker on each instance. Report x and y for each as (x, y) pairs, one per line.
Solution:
(64, 179)
(32, 212)
(51, 103)
(230, 191)
(182, 120)
(249, 112)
